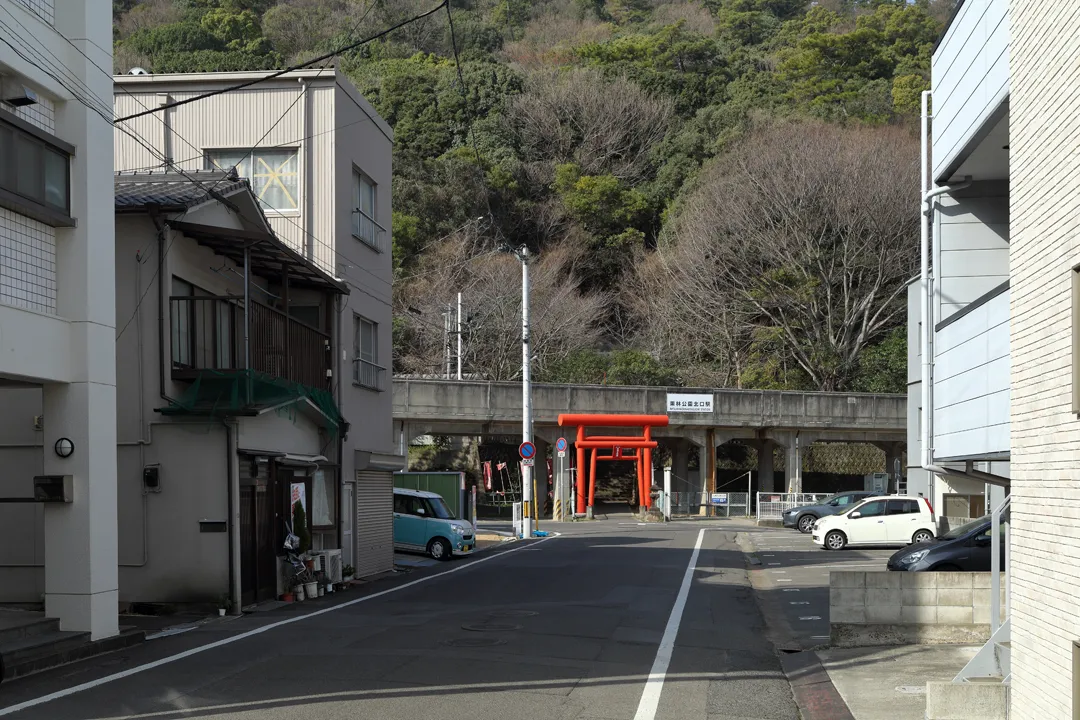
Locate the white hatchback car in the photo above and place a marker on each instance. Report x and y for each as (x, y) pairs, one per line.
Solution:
(896, 520)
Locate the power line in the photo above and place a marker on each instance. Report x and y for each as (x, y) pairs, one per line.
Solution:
(292, 68)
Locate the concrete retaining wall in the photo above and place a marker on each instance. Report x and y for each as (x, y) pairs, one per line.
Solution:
(904, 608)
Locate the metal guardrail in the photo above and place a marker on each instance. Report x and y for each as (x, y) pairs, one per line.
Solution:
(772, 506)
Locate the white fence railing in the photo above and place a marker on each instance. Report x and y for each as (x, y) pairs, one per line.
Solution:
(687, 504)
(772, 506)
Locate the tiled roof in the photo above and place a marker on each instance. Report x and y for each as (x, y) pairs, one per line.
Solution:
(173, 190)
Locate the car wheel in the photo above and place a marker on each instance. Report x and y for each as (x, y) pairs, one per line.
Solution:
(835, 540)
(806, 523)
(439, 549)
(922, 536)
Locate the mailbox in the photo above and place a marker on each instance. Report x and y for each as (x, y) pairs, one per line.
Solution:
(53, 488)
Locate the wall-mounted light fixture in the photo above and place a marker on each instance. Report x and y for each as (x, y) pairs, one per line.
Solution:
(64, 447)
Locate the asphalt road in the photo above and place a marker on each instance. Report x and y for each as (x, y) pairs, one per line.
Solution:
(792, 582)
(565, 628)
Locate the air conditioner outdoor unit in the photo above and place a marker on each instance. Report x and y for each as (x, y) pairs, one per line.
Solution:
(329, 562)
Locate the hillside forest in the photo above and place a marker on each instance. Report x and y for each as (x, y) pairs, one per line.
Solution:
(713, 192)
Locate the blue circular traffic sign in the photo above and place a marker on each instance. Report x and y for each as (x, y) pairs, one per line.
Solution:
(560, 444)
(527, 450)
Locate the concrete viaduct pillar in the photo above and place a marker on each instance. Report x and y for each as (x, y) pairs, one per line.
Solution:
(765, 471)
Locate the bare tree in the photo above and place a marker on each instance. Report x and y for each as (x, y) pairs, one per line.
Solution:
(606, 126)
(803, 234)
(563, 320)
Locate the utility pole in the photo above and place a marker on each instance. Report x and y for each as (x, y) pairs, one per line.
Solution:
(447, 324)
(459, 336)
(526, 392)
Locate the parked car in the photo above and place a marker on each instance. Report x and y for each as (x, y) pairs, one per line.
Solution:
(423, 523)
(883, 520)
(967, 547)
(804, 517)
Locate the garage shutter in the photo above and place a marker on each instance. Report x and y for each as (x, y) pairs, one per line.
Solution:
(374, 522)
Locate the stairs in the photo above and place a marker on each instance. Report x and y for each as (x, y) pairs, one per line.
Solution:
(30, 642)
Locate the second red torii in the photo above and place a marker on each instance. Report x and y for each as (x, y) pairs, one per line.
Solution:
(643, 443)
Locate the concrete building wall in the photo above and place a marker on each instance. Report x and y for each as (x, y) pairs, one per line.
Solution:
(970, 76)
(1045, 228)
(57, 318)
(971, 249)
(971, 384)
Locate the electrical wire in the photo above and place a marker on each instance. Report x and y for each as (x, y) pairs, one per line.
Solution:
(292, 68)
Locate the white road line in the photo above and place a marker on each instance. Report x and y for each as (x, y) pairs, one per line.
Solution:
(650, 696)
(810, 617)
(774, 563)
(819, 637)
(11, 709)
(804, 602)
(791, 589)
(783, 579)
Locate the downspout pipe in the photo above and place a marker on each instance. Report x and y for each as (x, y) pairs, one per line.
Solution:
(927, 196)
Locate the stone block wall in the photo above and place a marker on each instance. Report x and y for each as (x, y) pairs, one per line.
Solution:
(902, 608)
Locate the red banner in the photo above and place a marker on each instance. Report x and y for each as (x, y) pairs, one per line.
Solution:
(487, 475)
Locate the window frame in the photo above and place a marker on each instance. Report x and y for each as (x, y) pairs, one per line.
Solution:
(376, 243)
(19, 202)
(358, 360)
(211, 164)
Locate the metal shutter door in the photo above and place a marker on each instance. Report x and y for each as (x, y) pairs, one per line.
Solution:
(374, 522)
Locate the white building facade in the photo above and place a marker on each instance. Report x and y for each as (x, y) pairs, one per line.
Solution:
(1005, 315)
(57, 309)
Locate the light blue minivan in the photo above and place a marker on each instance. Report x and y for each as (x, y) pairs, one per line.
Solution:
(423, 523)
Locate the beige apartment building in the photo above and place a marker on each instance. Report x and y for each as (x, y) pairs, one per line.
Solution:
(318, 160)
(1005, 371)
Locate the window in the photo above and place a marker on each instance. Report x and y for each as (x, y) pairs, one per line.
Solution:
(273, 173)
(366, 370)
(323, 498)
(871, 509)
(903, 507)
(35, 172)
(203, 328)
(365, 226)
(963, 506)
(1076, 340)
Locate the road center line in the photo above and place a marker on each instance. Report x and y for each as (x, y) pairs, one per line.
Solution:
(650, 696)
(11, 709)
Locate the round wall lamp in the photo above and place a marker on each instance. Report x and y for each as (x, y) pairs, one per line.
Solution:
(64, 447)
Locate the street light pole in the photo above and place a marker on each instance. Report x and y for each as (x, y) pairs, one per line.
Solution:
(526, 394)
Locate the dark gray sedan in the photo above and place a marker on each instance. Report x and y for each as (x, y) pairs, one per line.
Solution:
(804, 517)
(963, 548)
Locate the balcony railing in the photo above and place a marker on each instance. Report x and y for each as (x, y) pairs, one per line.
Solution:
(368, 374)
(208, 334)
(368, 231)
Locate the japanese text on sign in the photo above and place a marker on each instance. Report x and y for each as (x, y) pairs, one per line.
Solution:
(679, 403)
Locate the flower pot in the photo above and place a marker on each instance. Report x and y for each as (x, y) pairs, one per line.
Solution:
(221, 612)
(311, 590)
(322, 591)
(330, 588)
(288, 597)
(299, 593)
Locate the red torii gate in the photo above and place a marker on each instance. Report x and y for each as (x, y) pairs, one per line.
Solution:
(644, 444)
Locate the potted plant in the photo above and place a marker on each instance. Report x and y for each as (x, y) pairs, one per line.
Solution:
(224, 604)
(347, 573)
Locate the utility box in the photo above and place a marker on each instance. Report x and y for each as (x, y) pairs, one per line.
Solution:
(54, 488)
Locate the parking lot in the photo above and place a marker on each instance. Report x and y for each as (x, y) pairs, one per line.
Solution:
(792, 581)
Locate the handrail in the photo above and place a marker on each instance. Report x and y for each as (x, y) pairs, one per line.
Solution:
(1001, 512)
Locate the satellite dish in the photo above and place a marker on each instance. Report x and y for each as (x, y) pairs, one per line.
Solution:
(137, 71)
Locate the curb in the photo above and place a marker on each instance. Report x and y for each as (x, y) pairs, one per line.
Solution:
(815, 695)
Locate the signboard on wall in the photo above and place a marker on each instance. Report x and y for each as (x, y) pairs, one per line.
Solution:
(684, 403)
(718, 499)
(299, 495)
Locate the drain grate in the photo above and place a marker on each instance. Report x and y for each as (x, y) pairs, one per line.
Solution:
(514, 613)
(475, 642)
(491, 627)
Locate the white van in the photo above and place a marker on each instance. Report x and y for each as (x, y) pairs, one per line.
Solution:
(895, 520)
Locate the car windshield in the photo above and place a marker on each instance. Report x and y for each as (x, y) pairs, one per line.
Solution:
(438, 507)
(964, 529)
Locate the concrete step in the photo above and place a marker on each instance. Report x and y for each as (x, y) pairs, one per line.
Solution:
(44, 650)
(1003, 652)
(981, 699)
(18, 625)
